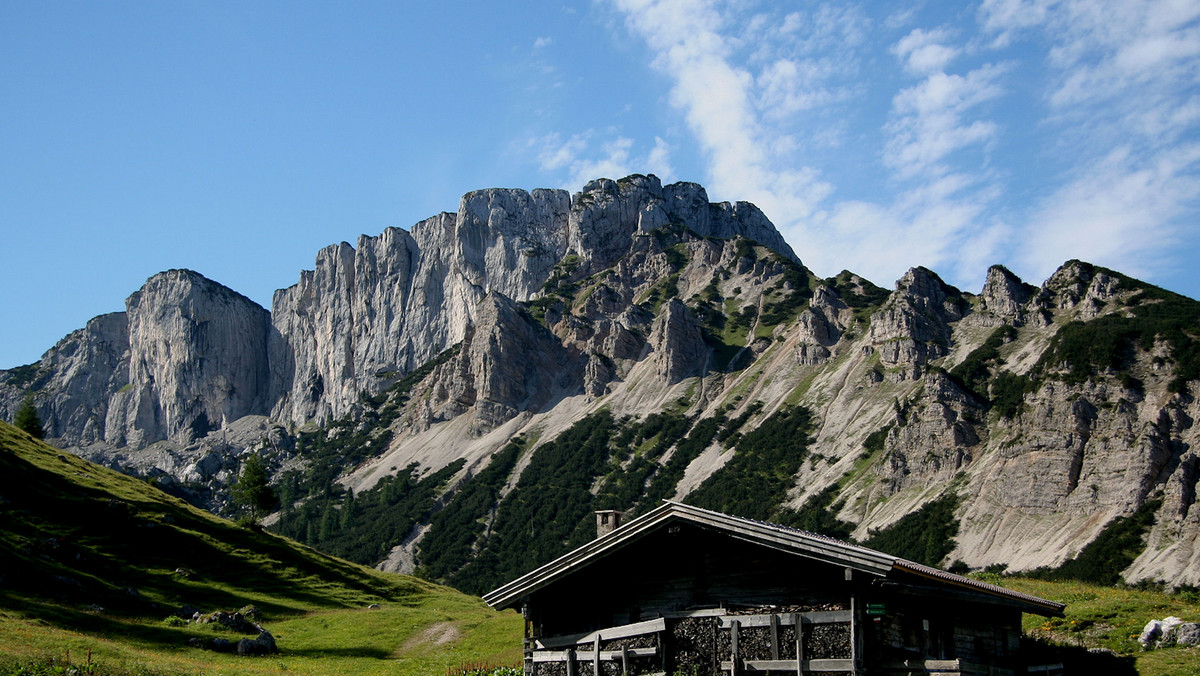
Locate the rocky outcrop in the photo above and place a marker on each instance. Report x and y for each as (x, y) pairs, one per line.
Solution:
(1004, 296)
(186, 355)
(75, 379)
(913, 326)
(678, 344)
(197, 357)
(507, 363)
(366, 315)
(932, 437)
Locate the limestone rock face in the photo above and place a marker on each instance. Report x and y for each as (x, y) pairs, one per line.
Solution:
(1005, 295)
(507, 364)
(678, 344)
(527, 311)
(370, 313)
(75, 379)
(913, 326)
(688, 203)
(197, 357)
(366, 315)
(933, 437)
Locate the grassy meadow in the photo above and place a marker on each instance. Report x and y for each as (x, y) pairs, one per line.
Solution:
(93, 562)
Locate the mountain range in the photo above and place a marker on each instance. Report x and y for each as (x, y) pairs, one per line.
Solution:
(457, 398)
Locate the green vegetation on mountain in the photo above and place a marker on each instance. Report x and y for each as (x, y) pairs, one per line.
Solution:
(975, 371)
(863, 297)
(26, 418)
(252, 491)
(925, 536)
(754, 482)
(818, 515)
(686, 450)
(549, 512)
(93, 561)
(345, 443)
(454, 530)
(364, 528)
(1103, 559)
(1152, 316)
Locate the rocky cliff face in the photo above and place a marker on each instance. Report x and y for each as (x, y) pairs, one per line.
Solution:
(187, 355)
(1049, 411)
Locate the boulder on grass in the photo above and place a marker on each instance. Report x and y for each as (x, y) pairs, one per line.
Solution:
(263, 645)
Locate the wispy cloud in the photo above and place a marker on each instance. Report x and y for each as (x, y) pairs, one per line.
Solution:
(580, 159)
(924, 51)
(1114, 98)
(746, 108)
(1123, 89)
(930, 123)
(1123, 211)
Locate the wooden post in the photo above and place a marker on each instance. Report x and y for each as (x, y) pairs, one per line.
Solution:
(799, 644)
(660, 642)
(853, 632)
(733, 645)
(596, 656)
(624, 660)
(570, 662)
(774, 636)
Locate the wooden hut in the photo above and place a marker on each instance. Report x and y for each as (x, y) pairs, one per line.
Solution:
(684, 590)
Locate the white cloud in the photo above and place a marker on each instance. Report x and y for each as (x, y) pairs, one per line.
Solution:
(744, 112)
(1006, 18)
(922, 51)
(543, 42)
(717, 100)
(929, 120)
(1122, 75)
(1122, 212)
(554, 153)
(658, 162)
(757, 91)
(575, 159)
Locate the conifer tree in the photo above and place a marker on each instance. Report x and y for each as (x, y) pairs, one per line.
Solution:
(252, 490)
(26, 418)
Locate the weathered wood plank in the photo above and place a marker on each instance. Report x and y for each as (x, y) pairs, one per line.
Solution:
(797, 621)
(774, 637)
(733, 643)
(684, 614)
(587, 656)
(607, 634)
(788, 665)
(788, 619)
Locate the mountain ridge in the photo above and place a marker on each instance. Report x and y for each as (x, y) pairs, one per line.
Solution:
(1050, 411)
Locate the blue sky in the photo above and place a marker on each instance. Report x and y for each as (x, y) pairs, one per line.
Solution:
(238, 138)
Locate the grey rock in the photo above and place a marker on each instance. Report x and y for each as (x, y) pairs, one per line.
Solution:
(678, 344)
(197, 359)
(222, 645)
(264, 644)
(1187, 634)
(1005, 295)
(913, 326)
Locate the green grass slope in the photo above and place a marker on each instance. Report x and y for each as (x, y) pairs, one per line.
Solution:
(92, 562)
(1108, 620)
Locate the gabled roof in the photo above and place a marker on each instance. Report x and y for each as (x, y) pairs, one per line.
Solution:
(761, 533)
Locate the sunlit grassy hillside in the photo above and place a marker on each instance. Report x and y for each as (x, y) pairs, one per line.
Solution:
(95, 561)
(1100, 618)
